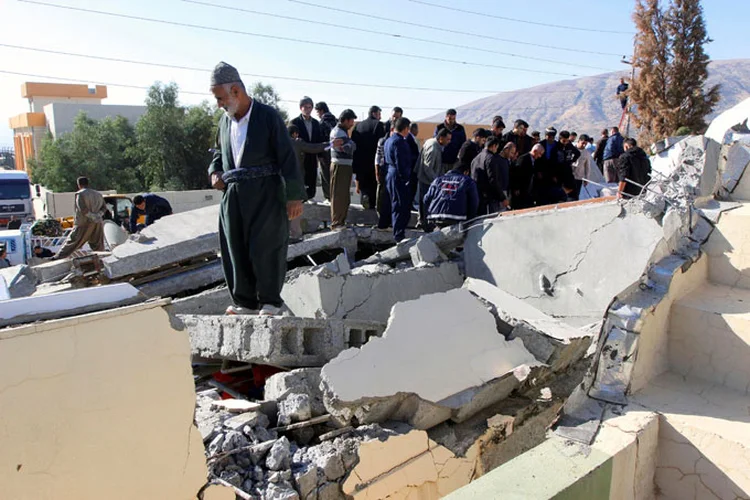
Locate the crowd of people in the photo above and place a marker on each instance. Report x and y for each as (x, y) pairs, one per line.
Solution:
(453, 177)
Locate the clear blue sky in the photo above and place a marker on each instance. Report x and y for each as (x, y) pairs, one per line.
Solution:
(45, 27)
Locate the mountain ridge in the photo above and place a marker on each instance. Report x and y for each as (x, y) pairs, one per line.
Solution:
(589, 103)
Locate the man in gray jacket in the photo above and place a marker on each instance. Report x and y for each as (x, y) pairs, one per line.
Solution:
(342, 157)
(429, 168)
(88, 226)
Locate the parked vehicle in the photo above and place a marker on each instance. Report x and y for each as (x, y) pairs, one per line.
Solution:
(15, 197)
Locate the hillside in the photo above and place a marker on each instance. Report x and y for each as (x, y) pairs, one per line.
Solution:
(589, 103)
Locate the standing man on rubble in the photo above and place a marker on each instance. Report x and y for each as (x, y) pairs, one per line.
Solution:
(366, 135)
(309, 131)
(634, 166)
(327, 123)
(612, 151)
(255, 166)
(457, 138)
(399, 161)
(88, 225)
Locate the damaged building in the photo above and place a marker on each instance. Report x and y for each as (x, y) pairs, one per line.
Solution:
(593, 349)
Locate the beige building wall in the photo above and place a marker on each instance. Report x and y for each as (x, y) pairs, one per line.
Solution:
(99, 406)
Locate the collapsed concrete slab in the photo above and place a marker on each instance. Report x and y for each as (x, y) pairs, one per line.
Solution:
(69, 303)
(173, 239)
(281, 341)
(194, 279)
(214, 301)
(441, 357)
(367, 292)
(47, 272)
(551, 341)
(20, 280)
(317, 215)
(554, 260)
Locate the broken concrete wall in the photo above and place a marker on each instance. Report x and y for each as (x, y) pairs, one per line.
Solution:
(570, 262)
(20, 280)
(367, 292)
(99, 406)
(406, 375)
(619, 465)
(281, 341)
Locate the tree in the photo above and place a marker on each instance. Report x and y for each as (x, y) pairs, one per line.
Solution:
(267, 95)
(672, 68)
(99, 150)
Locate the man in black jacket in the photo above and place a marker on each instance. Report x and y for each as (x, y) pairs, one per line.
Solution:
(458, 137)
(327, 123)
(599, 153)
(309, 131)
(366, 135)
(486, 170)
(153, 206)
(519, 137)
(471, 148)
(522, 178)
(568, 154)
(635, 166)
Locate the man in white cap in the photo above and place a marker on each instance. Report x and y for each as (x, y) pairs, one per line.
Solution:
(255, 165)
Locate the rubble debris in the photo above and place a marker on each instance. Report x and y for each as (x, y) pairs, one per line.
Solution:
(214, 301)
(194, 278)
(280, 341)
(54, 270)
(425, 251)
(314, 243)
(20, 281)
(392, 378)
(367, 292)
(551, 341)
(446, 239)
(69, 303)
(302, 381)
(178, 238)
(236, 405)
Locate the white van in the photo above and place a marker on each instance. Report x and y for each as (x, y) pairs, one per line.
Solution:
(15, 197)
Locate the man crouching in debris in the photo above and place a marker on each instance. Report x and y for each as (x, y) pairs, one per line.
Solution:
(255, 165)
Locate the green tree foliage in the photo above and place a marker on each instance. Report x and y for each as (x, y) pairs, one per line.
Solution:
(672, 68)
(267, 95)
(99, 150)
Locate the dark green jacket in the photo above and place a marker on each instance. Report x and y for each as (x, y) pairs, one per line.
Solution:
(267, 142)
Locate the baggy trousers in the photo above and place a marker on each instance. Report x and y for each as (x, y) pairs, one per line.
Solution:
(88, 232)
(324, 162)
(383, 200)
(341, 184)
(254, 234)
(398, 190)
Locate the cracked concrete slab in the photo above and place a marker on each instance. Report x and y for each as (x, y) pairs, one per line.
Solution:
(407, 375)
(551, 341)
(195, 279)
(281, 341)
(446, 239)
(20, 281)
(555, 259)
(365, 293)
(68, 303)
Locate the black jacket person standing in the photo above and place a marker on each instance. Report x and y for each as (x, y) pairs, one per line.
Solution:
(254, 164)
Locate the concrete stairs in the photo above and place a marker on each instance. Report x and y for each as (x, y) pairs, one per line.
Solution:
(703, 399)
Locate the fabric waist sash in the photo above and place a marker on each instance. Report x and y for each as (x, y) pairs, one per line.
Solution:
(254, 172)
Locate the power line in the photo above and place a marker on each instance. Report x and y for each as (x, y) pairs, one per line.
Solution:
(515, 20)
(456, 32)
(205, 94)
(394, 35)
(254, 75)
(289, 39)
